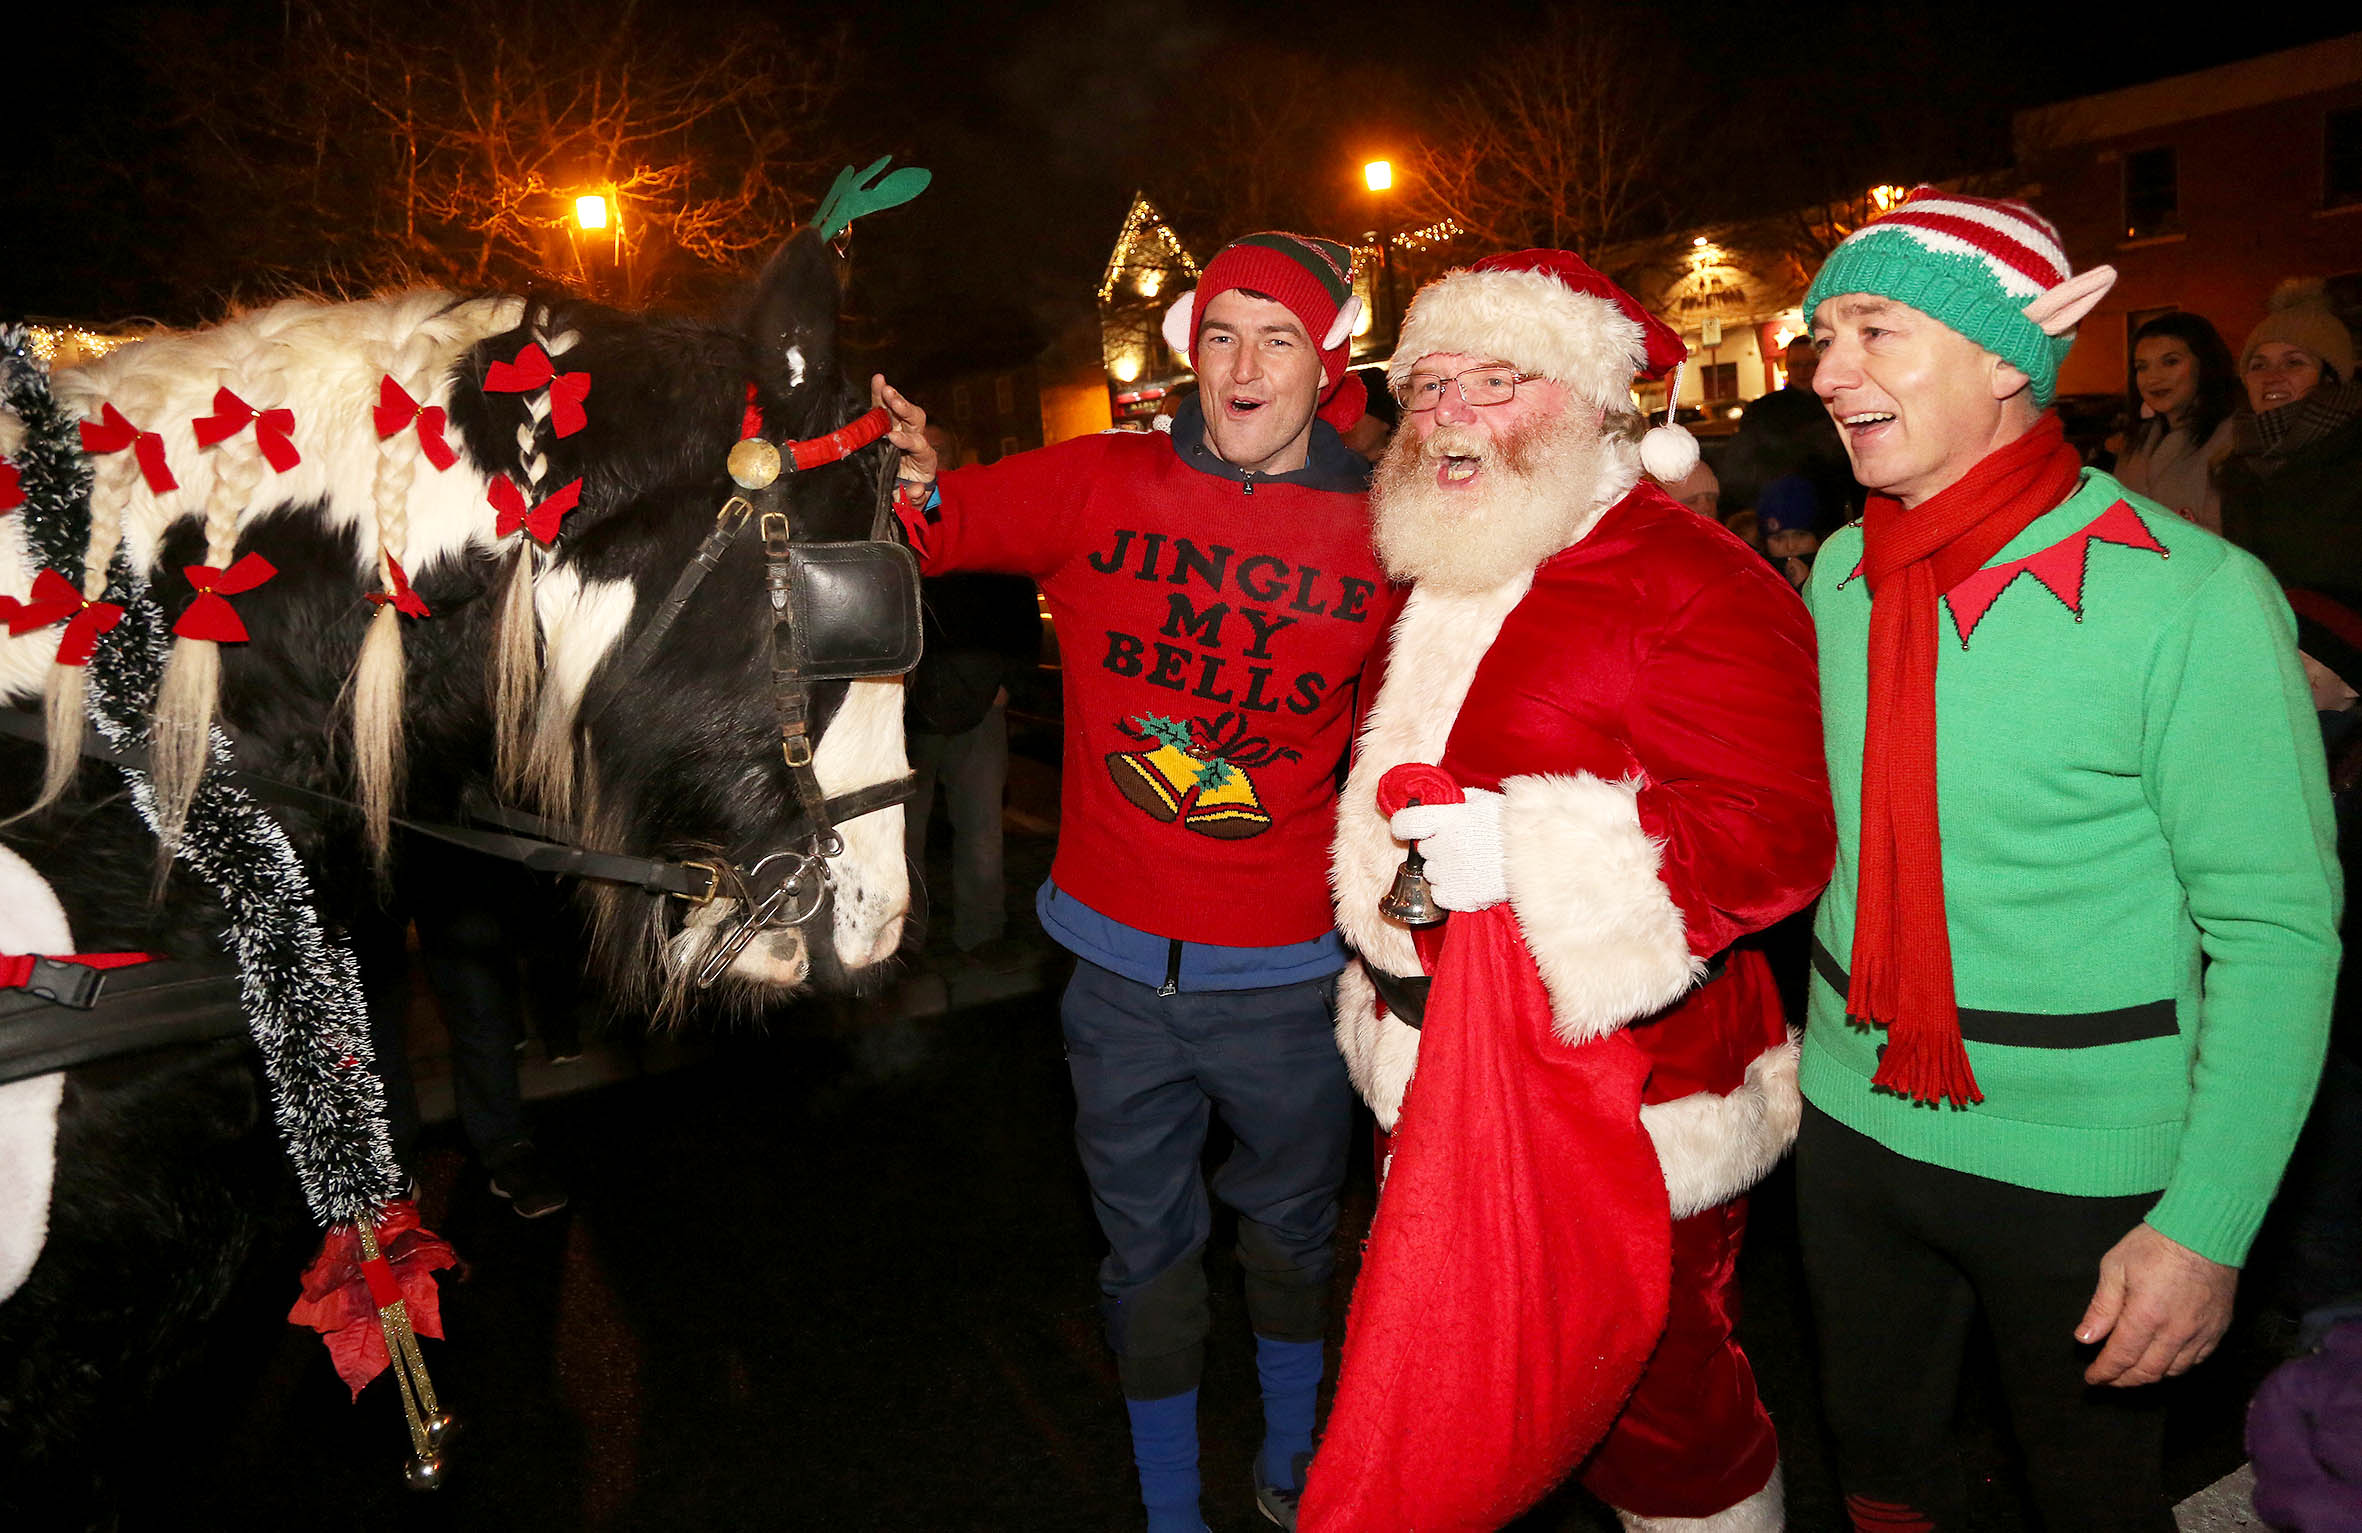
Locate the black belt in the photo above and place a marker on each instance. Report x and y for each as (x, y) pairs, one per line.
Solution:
(2039, 1030)
(98, 1014)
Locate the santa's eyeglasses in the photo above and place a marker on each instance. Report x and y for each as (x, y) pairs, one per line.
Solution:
(1496, 385)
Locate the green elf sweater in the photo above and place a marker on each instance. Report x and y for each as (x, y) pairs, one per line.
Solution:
(2139, 868)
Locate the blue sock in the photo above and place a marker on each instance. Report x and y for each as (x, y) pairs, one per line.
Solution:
(1290, 1371)
(1164, 1447)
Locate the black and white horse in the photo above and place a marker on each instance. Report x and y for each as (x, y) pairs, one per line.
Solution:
(132, 1192)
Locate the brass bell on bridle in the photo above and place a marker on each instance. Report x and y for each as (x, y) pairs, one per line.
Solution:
(1410, 901)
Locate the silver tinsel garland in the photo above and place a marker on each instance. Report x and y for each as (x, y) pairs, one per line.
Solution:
(300, 985)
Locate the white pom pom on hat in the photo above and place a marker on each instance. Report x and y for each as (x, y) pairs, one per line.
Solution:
(1668, 452)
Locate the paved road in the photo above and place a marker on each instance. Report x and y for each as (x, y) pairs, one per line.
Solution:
(827, 1279)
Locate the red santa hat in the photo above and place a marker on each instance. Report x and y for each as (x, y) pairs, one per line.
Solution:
(1548, 312)
(1312, 279)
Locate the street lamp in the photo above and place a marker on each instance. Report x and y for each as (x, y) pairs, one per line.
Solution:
(590, 212)
(1378, 175)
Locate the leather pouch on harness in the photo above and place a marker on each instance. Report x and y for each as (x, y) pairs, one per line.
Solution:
(856, 609)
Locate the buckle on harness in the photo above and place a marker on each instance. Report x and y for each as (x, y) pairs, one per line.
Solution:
(65, 984)
(712, 869)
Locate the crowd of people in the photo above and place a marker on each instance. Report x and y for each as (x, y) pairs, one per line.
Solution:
(1467, 784)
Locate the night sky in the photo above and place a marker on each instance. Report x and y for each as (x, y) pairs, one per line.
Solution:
(1040, 120)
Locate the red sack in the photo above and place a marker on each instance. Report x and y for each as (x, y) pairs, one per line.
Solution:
(1516, 1276)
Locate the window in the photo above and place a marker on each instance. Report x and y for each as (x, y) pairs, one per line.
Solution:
(961, 407)
(2152, 201)
(1004, 394)
(2341, 159)
(1720, 380)
(1010, 444)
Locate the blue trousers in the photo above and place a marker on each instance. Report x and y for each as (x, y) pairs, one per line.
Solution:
(1149, 1071)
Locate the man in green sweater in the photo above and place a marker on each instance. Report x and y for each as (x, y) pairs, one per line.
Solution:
(2073, 970)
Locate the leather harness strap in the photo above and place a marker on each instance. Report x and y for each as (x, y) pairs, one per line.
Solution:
(126, 1011)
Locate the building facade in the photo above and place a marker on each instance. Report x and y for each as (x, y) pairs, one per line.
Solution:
(2204, 191)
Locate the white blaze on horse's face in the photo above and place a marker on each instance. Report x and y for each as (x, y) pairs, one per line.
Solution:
(864, 745)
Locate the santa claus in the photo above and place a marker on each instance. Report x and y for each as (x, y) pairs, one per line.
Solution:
(1621, 697)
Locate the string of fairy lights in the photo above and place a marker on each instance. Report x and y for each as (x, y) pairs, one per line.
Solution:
(1140, 223)
(65, 345)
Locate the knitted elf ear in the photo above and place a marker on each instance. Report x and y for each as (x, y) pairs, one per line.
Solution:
(1176, 325)
(1342, 326)
(2061, 309)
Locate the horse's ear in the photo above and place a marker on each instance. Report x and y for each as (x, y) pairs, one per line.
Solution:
(794, 323)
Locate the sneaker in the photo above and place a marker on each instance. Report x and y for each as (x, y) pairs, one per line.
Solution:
(1277, 1503)
(523, 1177)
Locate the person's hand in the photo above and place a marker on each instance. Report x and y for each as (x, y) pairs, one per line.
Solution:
(2161, 1307)
(1462, 845)
(910, 430)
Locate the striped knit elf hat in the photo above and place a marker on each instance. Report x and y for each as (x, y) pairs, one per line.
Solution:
(1981, 266)
(1311, 278)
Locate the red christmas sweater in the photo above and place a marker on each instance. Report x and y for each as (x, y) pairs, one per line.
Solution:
(1212, 626)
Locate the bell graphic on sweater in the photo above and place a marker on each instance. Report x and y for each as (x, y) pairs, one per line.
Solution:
(1195, 772)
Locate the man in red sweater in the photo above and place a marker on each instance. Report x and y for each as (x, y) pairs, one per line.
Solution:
(1215, 595)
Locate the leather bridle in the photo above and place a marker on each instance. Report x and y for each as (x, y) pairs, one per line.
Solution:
(839, 612)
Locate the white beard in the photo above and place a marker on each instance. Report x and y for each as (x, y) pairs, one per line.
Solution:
(1534, 495)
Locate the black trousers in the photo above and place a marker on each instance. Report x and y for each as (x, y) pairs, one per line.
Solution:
(1901, 1257)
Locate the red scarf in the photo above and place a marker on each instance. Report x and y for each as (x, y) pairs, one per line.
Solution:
(1902, 950)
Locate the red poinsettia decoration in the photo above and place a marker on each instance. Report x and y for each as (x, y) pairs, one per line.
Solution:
(342, 1292)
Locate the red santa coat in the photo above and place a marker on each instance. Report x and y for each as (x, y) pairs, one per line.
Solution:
(1646, 701)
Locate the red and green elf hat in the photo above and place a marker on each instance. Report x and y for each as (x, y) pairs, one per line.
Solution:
(1311, 278)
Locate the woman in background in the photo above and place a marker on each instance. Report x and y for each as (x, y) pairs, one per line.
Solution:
(2183, 390)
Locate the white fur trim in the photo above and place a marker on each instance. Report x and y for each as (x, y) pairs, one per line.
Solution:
(1668, 453)
(1713, 1148)
(1176, 324)
(1532, 321)
(1611, 944)
(1438, 642)
(1764, 1512)
(31, 921)
(1380, 1052)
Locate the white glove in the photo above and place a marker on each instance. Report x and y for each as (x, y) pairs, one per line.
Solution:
(1462, 845)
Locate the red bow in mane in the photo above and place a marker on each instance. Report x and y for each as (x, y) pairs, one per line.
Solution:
(210, 615)
(343, 1290)
(531, 370)
(541, 521)
(273, 429)
(396, 409)
(112, 433)
(405, 601)
(12, 488)
(55, 598)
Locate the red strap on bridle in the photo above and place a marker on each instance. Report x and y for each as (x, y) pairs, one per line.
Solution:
(811, 453)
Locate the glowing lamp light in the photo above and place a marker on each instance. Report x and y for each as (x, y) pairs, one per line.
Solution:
(1884, 197)
(1379, 174)
(1150, 281)
(1361, 324)
(1127, 367)
(1699, 243)
(591, 212)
